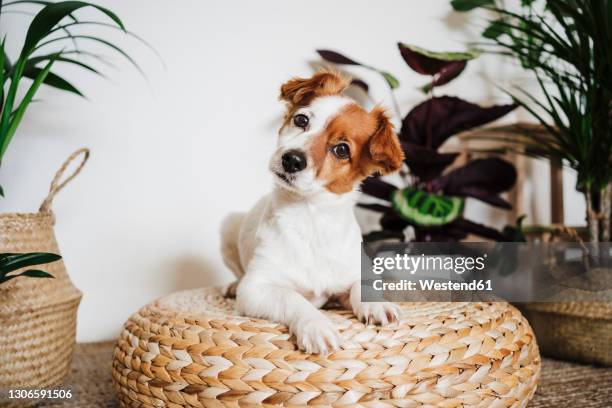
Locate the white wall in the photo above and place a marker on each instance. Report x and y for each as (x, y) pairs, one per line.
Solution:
(172, 155)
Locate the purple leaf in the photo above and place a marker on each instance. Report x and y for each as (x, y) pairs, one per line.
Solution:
(479, 229)
(447, 233)
(485, 196)
(481, 179)
(446, 74)
(424, 163)
(375, 207)
(391, 221)
(383, 235)
(376, 187)
(336, 58)
(458, 230)
(431, 63)
(432, 122)
(360, 84)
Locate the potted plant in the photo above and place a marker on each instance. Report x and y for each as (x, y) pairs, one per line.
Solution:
(566, 46)
(38, 316)
(432, 198)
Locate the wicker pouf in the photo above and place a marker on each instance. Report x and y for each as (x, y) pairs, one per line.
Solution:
(189, 349)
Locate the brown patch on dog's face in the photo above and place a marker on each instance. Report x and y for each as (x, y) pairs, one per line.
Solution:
(371, 144)
(300, 92)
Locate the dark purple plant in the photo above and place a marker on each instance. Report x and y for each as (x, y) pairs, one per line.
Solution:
(432, 200)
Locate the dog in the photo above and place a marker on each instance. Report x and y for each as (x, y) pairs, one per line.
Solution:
(299, 247)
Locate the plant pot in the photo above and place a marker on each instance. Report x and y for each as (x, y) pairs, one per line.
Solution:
(577, 330)
(37, 316)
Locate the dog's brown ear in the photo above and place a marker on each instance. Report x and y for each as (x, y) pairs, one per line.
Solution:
(301, 91)
(384, 147)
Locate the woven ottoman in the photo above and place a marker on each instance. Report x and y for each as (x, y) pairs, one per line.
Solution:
(190, 349)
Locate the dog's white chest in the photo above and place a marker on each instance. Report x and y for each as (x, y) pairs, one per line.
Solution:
(314, 249)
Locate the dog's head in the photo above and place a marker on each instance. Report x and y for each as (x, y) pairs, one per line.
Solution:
(327, 142)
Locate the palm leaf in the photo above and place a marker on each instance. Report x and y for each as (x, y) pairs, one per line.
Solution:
(12, 262)
(101, 41)
(51, 18)
(12, 121)
(52, 14)
(32, 273)
(3, 68)
(567, 47)
(33, 61)
(51, 79)
(112, 26)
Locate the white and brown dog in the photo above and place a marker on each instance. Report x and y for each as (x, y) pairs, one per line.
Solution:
(299, 247)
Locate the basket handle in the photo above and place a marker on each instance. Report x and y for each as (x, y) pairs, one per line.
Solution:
(57, 184)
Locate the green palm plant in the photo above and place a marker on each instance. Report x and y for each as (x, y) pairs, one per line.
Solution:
(10, 263)
(52, 38)
(566, 44)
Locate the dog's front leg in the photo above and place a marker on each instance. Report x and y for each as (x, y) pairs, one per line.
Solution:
(314, 332)
(382, 313)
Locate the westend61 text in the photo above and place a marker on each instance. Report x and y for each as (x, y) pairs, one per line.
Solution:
(431, 284)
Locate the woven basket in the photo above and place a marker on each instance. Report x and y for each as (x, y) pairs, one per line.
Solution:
(578, 330)
(37, 316)
(190, 350)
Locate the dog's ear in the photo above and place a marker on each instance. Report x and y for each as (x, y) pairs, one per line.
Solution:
(301, 91)
(386, 153)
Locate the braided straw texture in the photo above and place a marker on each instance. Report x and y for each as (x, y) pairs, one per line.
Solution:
(578, 331)
(37, 316)
(191, 350)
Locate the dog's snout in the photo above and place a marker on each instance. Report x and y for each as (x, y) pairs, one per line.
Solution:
(294, 161)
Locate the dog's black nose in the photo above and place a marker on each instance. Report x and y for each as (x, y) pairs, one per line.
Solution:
(294, 161)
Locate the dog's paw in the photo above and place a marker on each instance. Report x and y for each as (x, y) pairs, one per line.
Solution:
(382, 313)
(317, 336)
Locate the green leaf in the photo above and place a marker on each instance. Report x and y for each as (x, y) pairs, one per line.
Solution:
(112, 26)
(7, 109)
(18, 261)
(32, 273)
(467, 5)
(8, 130)
(3, 69)
(101, 41)
(426, 209)
(495, 29)
(6, 278)
(391, 80)
(6, 255)
(51, 79)
(38, 2)
(52, 14)
(1, 192)
(5, 63)
(35, 60)
(444, 55)
(36, 273)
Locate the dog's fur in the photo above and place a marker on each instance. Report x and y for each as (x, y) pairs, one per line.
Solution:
(299, 247)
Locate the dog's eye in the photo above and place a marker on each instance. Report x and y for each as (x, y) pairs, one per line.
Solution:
(341, 151)
(300, 121)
